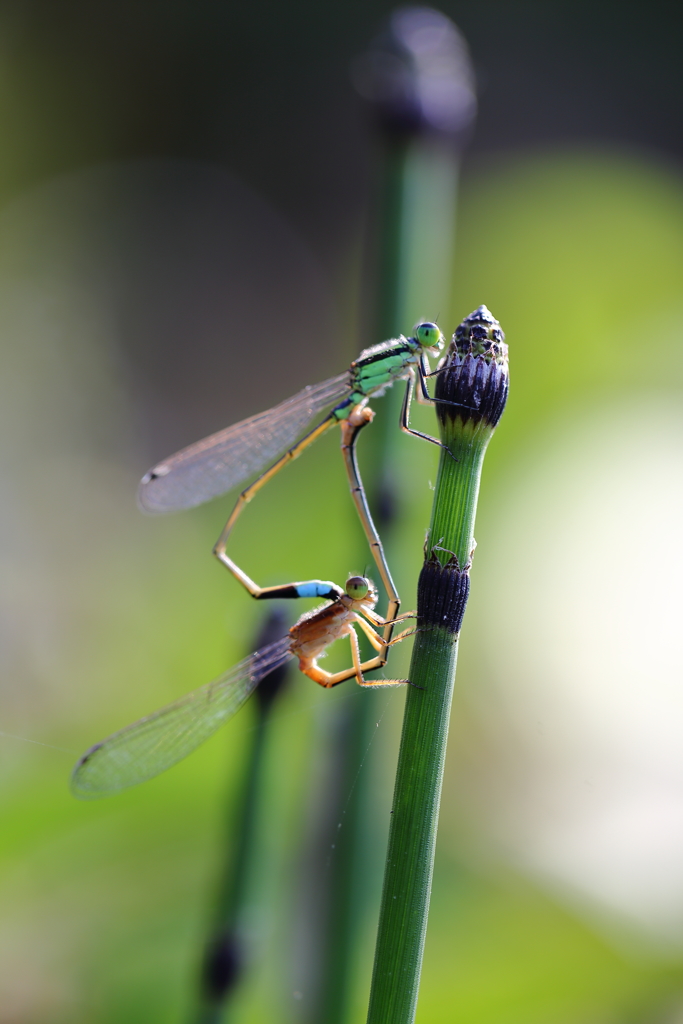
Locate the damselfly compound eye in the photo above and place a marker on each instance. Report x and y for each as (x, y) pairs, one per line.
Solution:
(429, 335)
(357, 587)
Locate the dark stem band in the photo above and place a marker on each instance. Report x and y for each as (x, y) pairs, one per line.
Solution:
(442, 593)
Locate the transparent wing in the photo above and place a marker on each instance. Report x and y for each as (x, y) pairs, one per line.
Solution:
(152, 744)
(222, 461)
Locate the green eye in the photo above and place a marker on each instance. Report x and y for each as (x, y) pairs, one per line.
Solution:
(429, 335)
(357, 587)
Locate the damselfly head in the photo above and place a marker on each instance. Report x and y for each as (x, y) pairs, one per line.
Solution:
(429, 337)
(360, 588)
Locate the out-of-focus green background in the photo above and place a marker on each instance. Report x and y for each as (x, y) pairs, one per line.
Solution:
(184, 196)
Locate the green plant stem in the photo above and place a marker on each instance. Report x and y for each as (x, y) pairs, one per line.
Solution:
(412, 836)
(224, 948)
(472, 389)
(225, 952)
(352, 879)
(456, 494)
(414, 198)
(415, 195)
(420, 182)
(419, 774)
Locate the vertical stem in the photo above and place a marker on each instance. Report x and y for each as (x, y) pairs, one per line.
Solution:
(412, 836)
(475, 375)
(417, 200)
(457, 485)
(348, 881)
(415, 213)
(225, 955)
(418, 197)
(417, 795)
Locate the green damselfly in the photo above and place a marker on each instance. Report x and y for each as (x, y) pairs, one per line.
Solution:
(218, 463)
(154, 743)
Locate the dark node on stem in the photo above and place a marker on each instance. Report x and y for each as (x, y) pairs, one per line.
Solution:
(474, 378)
(274, 626)
(442, 593)
(222, 967)
(418, 78)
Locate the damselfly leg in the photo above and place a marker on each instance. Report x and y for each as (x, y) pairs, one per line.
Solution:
(302, 589)
(350, 428)
(360, 416)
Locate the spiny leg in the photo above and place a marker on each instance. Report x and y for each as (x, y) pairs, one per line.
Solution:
(350, 428)
(377, 620)
(422, 395)
(291, 589)
(377, 641)
(360, 668)
(355, 656)
(404, 421)
(311, 669)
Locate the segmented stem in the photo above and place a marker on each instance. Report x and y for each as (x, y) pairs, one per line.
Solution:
(478, 380)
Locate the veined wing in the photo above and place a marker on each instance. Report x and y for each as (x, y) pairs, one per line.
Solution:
(222, 461)
(154, 743)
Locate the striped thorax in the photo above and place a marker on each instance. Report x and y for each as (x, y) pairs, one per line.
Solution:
(380, 366)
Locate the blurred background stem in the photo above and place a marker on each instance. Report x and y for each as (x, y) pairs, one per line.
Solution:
(418, 83)
(226, 951)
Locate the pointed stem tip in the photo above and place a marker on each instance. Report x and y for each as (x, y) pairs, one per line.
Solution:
(473, 378)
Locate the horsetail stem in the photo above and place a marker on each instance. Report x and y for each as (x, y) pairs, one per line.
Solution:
(471, 389)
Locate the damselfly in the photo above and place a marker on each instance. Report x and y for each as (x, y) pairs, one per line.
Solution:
(160, 740)
(220, 462)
